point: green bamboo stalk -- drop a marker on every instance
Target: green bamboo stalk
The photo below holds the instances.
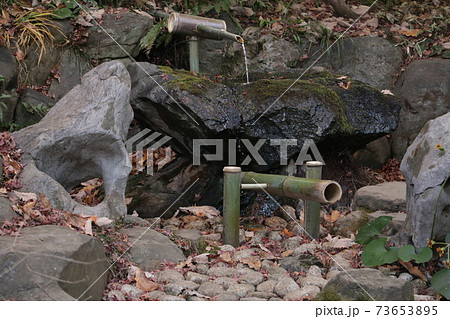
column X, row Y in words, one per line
column 217, row 34
column 312, row 208
column 231, row 204
column 326, row 192
column 193, row 55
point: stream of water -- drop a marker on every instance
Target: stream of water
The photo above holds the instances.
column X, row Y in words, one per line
column 246, row 62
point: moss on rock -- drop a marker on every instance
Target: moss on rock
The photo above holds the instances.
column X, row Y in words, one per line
column 185, row 81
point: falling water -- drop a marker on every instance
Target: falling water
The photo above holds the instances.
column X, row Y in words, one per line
column 246, row 61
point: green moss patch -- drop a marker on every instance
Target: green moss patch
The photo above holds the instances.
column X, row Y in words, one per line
column 185, row 81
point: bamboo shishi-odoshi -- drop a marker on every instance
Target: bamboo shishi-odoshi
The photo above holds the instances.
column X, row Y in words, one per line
column 322, row 191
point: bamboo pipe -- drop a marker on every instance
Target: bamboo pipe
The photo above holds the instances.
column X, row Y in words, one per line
column 326, row 192
column 231, row 204
column 217, row 34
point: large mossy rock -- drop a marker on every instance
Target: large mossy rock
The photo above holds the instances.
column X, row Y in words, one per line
column 364, row 285
column 82, row 137
column 424, row 88
column 188, row 107
column 426, row 166
column 52, row 263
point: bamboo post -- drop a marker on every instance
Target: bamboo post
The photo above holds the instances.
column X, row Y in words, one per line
column 193, row 55
column 312, row 208
column 231, row 204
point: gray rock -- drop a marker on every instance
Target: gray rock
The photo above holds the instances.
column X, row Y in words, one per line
column 8, row 103
column 177, row 287
column 52, row 263
column 31, row 107
column 425, row 169
column 210, row 289
column 372, row 60
column 398, row 220
column 350, row 223
column 155, row 295
column 293, row 243
column 286, row 212
column 312, row 281
column 172, row 298
column 261, row 294
column 252, row 299
column 169, row 275
column 265, row 53
column 388, row 196
column 125, row 29
column 8, row 67
column 267, row 286
column 226, row 296
column 254, row 278
column 132, row 291
column 317, row 109
column 307, row 248
column 302, row 293
column 275, row 236
column 222, row 272
column 285, row 285
column 299, row 263
column 130, row 219
column 365, row 284
column 341, row 261
column 195, row 277
column 425, row 90
column 241, row 290
column 72, row 66
column 244, row 253
column 6, row 211
column 38, row 72
column 202, row 269
column 193, row 237
column 225, row 282
column 375, row 154
column 79, row 139
column 115, row 295
column 406, row 276
column 151, row 248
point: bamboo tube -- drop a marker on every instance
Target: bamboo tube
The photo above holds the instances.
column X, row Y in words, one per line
column 312, row 208
column 327, row 192
column 231, row 204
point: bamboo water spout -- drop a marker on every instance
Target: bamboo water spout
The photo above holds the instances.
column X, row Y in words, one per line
column 195, row 27
column 323, row 191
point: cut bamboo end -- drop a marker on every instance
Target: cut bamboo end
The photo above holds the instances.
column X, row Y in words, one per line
column 231, row 169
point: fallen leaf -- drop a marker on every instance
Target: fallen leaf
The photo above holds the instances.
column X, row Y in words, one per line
column 20, row 56
column 28, row 206
column 252, row 261
column 342, row 77
column 334, row 215
column 81, row 21
column 413, row 270
column 286, row 253
column 202, row 211
column 26, row 196
column 202, row 259
column 287, row 233
column 345, row 86
column 409, row 32
column 225, row 257
column 103, row 221
column 387, row 92
column 128, row 200
column 88, row 227
column 143, row 283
